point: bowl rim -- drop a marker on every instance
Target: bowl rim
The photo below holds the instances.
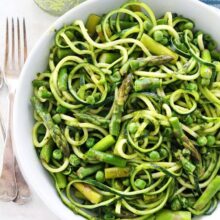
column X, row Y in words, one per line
column 45, row 199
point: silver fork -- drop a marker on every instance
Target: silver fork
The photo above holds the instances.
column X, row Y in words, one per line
column 12, row 184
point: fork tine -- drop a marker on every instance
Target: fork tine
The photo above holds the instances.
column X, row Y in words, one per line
column 25, row 39
column 13, row 41
column 6, row 43
column 19, row 43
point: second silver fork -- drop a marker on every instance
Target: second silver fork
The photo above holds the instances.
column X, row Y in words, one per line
column 12, row 184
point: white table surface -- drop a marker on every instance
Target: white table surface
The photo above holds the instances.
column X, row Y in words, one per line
column 37, row 22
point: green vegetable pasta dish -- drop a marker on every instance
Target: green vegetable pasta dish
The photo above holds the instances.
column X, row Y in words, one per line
column 128, row 116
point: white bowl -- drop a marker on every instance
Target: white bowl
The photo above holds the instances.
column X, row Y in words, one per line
column 206, row 18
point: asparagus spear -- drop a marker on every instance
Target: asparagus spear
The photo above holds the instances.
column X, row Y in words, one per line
column 206, row 71
column 171, row 215
column 182, row 138
column 83, row 172
column 79, row 195
column 39, row 83
column 63, row 52
column 54, row 129
column 104, row 143
column 147, row 84
column 208, row 194
column 92, row 21
column 46, row 152
column 94, row 155
column 93, row 196
column 61, row 180
column 94, row 119
column 100, row 32
column 116, row 172
column 44, row 93
column 157, row 48
column 108, row 57
column 150, row 61
column 120, row 100
column 62, row 79
column 71, row 206
column 188, row 166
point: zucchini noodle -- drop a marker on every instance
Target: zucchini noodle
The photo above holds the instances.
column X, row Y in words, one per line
column 127, row 116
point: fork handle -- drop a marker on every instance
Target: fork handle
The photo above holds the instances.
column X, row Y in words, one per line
column 24, row 193
column 8, row 186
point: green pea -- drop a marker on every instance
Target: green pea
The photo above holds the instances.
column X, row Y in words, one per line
column 100, row 176
column 90, row 99
column 208, row 37
column 189, row 26
column 163, row 152
column 164, row 41
column 90, row 142
column 74, row 160
column 186, row 26
column 202, row 141
column 186, row 152
column 154, row 155
column 192, row 87
column 148, row 25
column 212, row 45
column 57, row 154
column 140, row 184
column 56, row 118
column 205, row 82
column 158, row 35
column 210, row 140
column 176, row 205
column 97, row 96
column 188, row 120
column 203, row 150
column 132, row 127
